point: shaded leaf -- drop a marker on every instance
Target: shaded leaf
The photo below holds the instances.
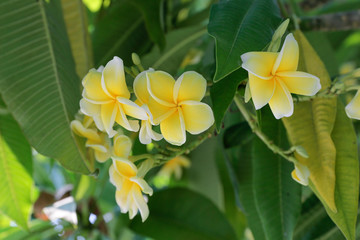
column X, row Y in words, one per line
column 151, row 11
column 38, row 81
column 119, row 33
column 178, row 43
column 77, row 29
column 16, row 181
column 249, row 27
column 222, row 94
column 237, row 134
column 311, row 125
column 189, row 216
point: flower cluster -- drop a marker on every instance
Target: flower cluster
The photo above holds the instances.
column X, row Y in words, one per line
column 160, row 100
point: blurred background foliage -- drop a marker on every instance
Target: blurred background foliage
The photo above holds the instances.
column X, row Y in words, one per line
column 235, row 188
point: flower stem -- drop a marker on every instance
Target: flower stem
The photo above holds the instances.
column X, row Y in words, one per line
column 288, row 155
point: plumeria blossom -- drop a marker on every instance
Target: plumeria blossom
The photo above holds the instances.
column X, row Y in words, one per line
column 128, row 180
column 106, row 98
column 146, row 133
column 301, row 174
column 353, row 108
column 175, row 104
column 96, row 140
column 174, row 166
column 273, row 77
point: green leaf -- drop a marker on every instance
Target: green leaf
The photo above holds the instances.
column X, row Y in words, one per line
column 77, row 29
column 222, row 94
column 119, row 33
column 151, row 11
column 189, row 216
column 178, row 43
column 237, row 134
column 16, row 181
column 38, row 81
column 239, row 27
column 311, row 125
column 268, row 189
column 347, row 174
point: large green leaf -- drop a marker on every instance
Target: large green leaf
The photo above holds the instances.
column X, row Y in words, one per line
column 178, row 43
column 239, row 27
column 38, row 81
column 182, row 214
column 16, row 181
column 152, row 13
column 222, row 94
column 119, row 33
column 347, row 174
column 276, row 197
column 311, row 125
column 77, row 29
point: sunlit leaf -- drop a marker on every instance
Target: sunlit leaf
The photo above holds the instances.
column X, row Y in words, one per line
column 189, row 216
column 77, row 29
column 16, row 181
column 311, row 125
column 38, row 81
column 239, row 27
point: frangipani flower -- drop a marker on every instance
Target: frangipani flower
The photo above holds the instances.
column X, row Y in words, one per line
column 175, row 104
column 106, row 98
column 273, row 77
column 146, row 133
column 353, row 108
column 96, row 140
column 301, row 174
column 174, row 166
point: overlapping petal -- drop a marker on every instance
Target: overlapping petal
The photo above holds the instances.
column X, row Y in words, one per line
column 140, row 87
column 113, row 79
column 259, row 64
column 92, row 110
column 93, row 91
column 288, row 57
column 124, row 167
column 108, row 115
column 189, row 86
column 301, row 174
column 173, row 128
column 300, row 82
column 121, row 119
column 159, row 111
column 198, row 116
column 261, row 90
column 161, row 87
column 132, row 109
column 281, row 103
column 78, row 128
column 353, row 108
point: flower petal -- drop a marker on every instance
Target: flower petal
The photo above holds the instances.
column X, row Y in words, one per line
column 115, row 178
column 301, row 174
column 159, row 111
column 154, row 135
column 173, row 128
column 198, row 116
column 108, row 114
column 261, row 90
column 141, row 204
column 281, row 103
column 353, row 108
column 259, row 64
column 101, row 156
column 132, row 109
column 143, row 136
column 143, row 185
column 288, row 57
column 189, row 86
column 130, row 125
column 78, row 129
column 161, row 87
column 122, row 146
column 124, row 167
column 113, row 79
column 92, row 110
column 300, row 82
column 92, row 88
column 140, row 87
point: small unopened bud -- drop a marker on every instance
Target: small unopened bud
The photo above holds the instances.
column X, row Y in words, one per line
column 279, row 32
column 136, row 59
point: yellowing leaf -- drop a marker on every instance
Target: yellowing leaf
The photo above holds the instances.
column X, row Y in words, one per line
column 76, row 27
column 311, row 125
